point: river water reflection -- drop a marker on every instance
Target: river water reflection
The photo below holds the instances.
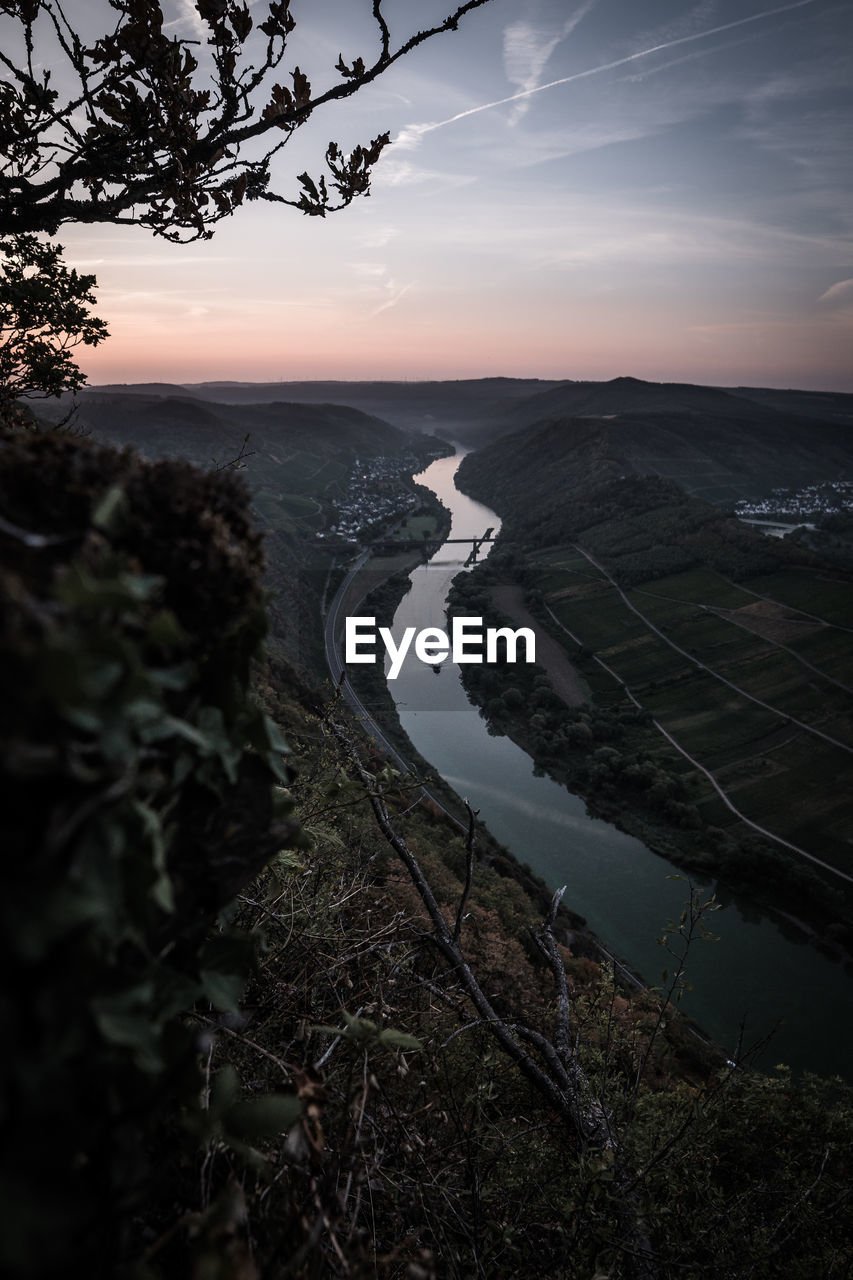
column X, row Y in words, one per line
column 757, row 974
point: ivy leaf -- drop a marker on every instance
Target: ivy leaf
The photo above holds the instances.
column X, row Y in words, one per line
column 301, row 87
column 399, row 1040
column 224, row 966
column 112, row 512
column 279, row 104
column 257, row 1118
column 165, row 629
column 241, row 21
column 225, row 1090
column 126, row 1019
column 223, row 990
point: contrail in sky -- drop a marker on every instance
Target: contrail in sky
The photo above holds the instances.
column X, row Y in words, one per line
column 414, row 132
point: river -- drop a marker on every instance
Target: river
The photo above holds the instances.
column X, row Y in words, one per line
column 756, row 975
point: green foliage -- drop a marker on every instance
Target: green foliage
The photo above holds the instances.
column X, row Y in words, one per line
column 240, row 1123
column 366, row 1033
column 756, row 1180
column 44, row 314
column 141, row 795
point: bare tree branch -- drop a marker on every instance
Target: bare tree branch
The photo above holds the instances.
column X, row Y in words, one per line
column 469, row 871
column 563, row 1085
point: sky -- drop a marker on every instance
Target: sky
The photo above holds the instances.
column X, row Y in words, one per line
column 577, row 189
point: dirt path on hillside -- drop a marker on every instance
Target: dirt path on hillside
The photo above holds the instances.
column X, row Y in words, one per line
column 550, row 655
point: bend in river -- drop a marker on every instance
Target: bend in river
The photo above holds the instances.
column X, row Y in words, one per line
column 754, row 976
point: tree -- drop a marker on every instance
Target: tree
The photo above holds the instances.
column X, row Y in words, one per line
column 44, row 315
column 160, row 130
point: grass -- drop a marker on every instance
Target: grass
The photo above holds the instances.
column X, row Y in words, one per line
column 827, row 598
column 829, row 649
column 287, row 511
column 781, row 777
column 568, row 560
column 776, row 677
column 792, row 799
column 645, row 659
column 598, row 620
column 709, row 720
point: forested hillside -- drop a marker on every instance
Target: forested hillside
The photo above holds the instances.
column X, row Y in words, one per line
column 302, row 459
column 718, row 445
column 457, row 406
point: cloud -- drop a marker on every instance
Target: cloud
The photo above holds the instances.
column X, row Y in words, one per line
column 396, row 294
column 188, row 16
column 645, row 73
column 410, row 137
column 625, row 237
column 401, row 173
column 527, row 48
column 369, row 270
column 151, row 262
column 379, row 237
column 374, row 280
column 395, row 172
column 840, row 292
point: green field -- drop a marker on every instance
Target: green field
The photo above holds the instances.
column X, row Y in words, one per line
column 645, row 660
column 599, row 620
column 415, row 527
column 818, row 594
column 779, row 775
column 701, row 586
column 287, row 511
column 830, row 650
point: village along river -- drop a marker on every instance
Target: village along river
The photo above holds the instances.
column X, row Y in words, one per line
column 756, row 974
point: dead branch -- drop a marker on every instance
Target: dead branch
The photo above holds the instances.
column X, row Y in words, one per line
column 563, row 1085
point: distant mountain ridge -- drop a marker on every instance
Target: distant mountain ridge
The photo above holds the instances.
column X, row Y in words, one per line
column 721, row 444
column 626, row 395
column 297, row 460
column 719, row 459
column 478, row 410
column 412, row 406
column 171, row 421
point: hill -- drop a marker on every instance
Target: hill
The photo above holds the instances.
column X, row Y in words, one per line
column 173, row 422
column 827, row 405
column 714, row 444
column 722, row 444
column 727, row 651
column 298, row 461
column 412, row 406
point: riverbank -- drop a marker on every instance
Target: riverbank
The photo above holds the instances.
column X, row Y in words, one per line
column 378, row 588
column 761, row 968
column 610, row 755
column 371, row 688
column 566, row 680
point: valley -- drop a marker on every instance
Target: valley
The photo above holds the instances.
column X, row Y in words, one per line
column 701, row 672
